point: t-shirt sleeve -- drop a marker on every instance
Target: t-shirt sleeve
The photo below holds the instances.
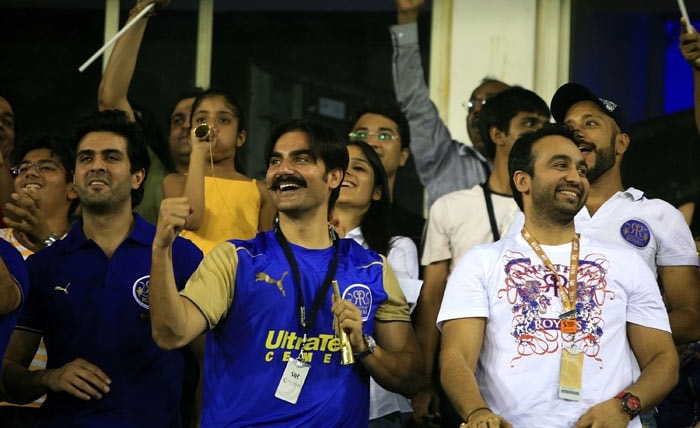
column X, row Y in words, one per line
column 676, row 245
column 436, row 246
column 466, row 290
column 645, row 306
column 211, row 286
column 16, row 267
column 395, row 308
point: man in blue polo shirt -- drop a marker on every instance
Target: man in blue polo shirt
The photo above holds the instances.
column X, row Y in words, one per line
column 14, row 286
column 89, row 298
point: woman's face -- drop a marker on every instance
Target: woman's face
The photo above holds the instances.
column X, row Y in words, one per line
column 358, row 187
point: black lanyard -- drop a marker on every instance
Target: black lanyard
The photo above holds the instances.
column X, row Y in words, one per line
column 489, row 208
column 297, row 278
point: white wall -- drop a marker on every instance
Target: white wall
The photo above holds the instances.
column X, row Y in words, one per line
column 504, row 39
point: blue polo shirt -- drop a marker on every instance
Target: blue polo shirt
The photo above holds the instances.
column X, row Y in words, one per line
column 15, row 265
column 91, row 307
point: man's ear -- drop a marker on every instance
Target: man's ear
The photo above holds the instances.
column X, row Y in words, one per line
column 137, row 178
column 622, row 143
column 497, row 136
column 335, row 177
column 522, row 181
column 405, row 153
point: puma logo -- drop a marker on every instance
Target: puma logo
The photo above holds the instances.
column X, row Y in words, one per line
column 262, row 276
column 64, row 289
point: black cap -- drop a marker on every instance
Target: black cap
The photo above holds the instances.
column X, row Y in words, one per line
column 572, row 93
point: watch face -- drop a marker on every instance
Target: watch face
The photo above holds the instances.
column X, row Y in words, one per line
column 633, row 403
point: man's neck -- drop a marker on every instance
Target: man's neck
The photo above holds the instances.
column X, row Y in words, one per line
column 108, row 230
column 603, row 189
column 547, row 232
column 310, row 231
column 499, row 181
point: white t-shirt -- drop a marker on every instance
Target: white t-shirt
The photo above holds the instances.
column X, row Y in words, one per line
column 459, row 220
column 518, row 369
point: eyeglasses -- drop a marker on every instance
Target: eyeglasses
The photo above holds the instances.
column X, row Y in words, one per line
column 381, row 136
column 470, row 105
column 42, row 167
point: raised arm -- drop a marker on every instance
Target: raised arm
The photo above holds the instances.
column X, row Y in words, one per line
column 112, row 93
column 10, row 292
column 690, row 48
column 175, row 320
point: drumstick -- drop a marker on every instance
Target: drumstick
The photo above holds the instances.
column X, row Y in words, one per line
column 144, row 11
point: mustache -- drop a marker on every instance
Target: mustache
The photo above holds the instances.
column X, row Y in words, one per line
column 290, row 179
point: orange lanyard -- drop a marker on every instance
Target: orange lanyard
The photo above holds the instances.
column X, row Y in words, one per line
column 568, row 297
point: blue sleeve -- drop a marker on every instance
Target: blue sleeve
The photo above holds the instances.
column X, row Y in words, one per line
column 15, row 265
column 186, row 259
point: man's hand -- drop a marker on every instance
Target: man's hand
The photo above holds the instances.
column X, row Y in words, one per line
column 159, row 4
column 172, row 219
column 350, row 319
column 608, row 414
column 408, row 10
column 78, row 378
column 689, row 44
column 426, row 405
column 26, row 216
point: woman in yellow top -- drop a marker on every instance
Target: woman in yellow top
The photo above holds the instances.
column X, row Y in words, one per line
column 225, row 203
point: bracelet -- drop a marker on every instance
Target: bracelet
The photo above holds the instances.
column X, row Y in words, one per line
column 476, row 410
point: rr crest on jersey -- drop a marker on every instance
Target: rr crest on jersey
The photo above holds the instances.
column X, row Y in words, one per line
column 636, row 233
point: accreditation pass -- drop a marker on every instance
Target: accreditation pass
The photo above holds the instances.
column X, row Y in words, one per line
column 292, row 380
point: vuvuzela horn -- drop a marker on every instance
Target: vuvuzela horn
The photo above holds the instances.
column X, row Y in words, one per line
column 346, row 356
column 202, row 131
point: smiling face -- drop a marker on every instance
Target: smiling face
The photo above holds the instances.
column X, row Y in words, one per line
column 49, row 185
column 559, row 187
column 482, row 93
column 103, row 177
column 383, row 135
column 598, row 135
column 359, row 187
column 298, row 183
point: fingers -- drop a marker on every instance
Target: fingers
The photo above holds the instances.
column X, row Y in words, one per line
column 81, row 379
column 172, row 219
column 350, row 319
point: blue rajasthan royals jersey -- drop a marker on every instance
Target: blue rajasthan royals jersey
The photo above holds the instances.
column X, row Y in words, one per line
column 248, row 349
column 18, row 270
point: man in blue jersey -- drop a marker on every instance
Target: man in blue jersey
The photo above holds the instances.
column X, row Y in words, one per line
column 89, row 298
column 13, row 289
column 273, row 357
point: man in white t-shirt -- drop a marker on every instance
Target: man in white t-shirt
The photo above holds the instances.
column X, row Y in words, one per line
column 464, row 218
column 531, row 339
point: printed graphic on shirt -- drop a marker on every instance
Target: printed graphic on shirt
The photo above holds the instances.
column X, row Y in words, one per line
column 531, row 290
column 636, row 233
column 262, row 276
column 361, row 296
column 140, row 291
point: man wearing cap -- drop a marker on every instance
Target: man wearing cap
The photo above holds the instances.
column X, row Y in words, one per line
column 652, row 227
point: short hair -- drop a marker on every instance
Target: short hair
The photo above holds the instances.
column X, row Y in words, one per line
column 388, row 109
column 57, row 146
column 192, row 92
column 501, row 108
column 521, row 157
column 375, row 222
column 117, row 122
column 324, row 143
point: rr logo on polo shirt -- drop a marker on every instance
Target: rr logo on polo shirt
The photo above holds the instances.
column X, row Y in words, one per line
column 636, row 233
column 140, row 291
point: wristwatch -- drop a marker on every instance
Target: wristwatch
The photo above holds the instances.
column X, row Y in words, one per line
column 371, row 347
column 51, row 239
column 630, row 403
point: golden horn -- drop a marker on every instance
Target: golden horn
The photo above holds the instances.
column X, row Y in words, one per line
column 346, row 355
column 202, row 131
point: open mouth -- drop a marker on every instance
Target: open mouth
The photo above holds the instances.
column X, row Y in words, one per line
column 286, row 184
column 32, row 186
column 585, row 147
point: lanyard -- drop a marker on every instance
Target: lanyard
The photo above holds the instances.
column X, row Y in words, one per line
column 333, row 267
column 568, row 297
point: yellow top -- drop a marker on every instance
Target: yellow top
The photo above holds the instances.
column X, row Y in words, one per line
column 231, row 211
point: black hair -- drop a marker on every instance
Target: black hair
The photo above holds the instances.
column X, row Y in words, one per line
column 324, row 143
column 117, row 122
column 154, row 135
column 375, row 222
column 58, row 146
column 521, row 157
column 501, row 108
column 237, row 108
column 389, row 109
